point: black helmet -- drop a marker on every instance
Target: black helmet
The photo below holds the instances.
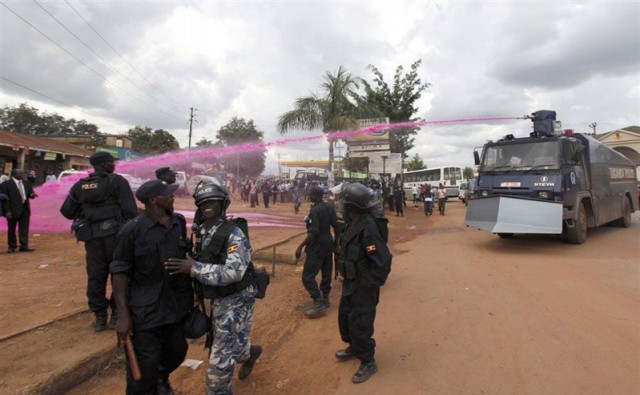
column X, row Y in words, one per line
column 211, row 191
column 359, row 196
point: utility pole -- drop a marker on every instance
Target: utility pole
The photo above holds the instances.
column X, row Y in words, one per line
column 191, row 125
column 593, row 126
column 279, row 171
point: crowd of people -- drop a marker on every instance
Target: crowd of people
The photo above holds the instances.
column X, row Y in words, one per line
column 157, row 272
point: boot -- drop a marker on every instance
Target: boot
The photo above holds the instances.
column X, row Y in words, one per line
column 325, row 299
column 345, row 354
column 113, row 319
column 247, row 367
column 318, row 309
column 100, row 322
column 366, row 370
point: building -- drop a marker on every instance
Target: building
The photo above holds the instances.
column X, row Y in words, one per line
column 626, row 141
column 41, row 154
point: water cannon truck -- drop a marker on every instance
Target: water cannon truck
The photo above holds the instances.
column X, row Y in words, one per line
column 551, row 182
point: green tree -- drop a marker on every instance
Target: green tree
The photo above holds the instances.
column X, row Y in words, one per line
column 147, row 141
column 416, row 163
column 337, row 108
column 204, row 143
column 397, row 102
column 239, row 131
column 28, row 120
column 467, row 173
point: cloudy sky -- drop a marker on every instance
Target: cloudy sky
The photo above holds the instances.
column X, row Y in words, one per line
column 119, row 64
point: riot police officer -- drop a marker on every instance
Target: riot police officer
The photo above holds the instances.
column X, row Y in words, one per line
column 319, row 246
column 103, row 201
column 364, row 263
column 223, row 269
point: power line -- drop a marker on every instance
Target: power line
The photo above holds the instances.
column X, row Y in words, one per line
column 48, row 97
column 99, row 56
column 87, row 66
column 119, row 54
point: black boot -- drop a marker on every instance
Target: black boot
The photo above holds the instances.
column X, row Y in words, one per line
column 345, row 354
column 366, row 370
column 325, row 299
column 247, row 367
column 100, row 322
column 318, row 309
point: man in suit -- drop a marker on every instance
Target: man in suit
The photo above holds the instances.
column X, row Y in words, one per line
column 17, row 209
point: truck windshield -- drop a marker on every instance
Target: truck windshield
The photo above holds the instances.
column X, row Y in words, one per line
column 531, row 155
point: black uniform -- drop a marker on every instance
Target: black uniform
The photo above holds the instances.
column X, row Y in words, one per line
column 319, row 252
column 365, row 263
column 105, row 207
column 158, row 303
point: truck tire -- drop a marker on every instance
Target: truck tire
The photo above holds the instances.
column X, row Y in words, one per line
column 505, row 235
column 625, row 220
column 578, row 233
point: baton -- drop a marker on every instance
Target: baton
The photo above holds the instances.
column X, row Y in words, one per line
column 133, row 360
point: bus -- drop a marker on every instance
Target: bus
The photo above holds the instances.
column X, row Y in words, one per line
column 449, row 176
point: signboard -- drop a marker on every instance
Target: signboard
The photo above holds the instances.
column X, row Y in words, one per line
column 392, row 164
column 50, row 156
column 380, row 136
column 369, row 147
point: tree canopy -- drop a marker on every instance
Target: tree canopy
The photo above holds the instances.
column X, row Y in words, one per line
column 416, row 163
column 337, row 108
column 397, row 102
column 239, row 131
column 152, row 142
column 28, row 120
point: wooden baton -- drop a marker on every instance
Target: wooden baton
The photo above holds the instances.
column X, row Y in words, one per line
column 133, row 360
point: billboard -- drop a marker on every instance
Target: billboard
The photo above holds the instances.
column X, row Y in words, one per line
column 380, row 136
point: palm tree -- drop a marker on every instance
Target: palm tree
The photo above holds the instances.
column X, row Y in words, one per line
column 337, row 109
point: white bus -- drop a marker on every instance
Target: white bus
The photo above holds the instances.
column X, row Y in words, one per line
column 449, row 176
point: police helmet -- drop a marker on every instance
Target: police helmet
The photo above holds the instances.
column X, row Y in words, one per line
column 212, row 191
column 359, row 196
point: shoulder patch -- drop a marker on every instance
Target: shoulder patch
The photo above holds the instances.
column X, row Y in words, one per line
column 371, row 248
column 232, row 249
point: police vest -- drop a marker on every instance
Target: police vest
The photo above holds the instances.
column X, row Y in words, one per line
column 216, row 253
column 352, row 262
column 97, row 204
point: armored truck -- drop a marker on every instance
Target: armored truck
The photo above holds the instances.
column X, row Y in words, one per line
column 551, row 182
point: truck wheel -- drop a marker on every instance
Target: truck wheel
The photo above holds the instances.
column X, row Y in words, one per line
column 625, row 220
column 578, row 233
column 505, row 235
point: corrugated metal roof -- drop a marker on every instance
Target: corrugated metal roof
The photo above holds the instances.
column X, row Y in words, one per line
column 40, row 143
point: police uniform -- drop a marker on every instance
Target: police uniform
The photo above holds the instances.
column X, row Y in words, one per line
column 318, row 252
column 223, row 274
column 365, row 263
column 112, row 204
column 158, row 303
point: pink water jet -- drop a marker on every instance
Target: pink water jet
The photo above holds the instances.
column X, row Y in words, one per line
column 46, row 217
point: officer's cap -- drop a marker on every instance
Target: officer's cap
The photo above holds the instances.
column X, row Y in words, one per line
column 101, row 157
column 165, row 171
column 155, row 188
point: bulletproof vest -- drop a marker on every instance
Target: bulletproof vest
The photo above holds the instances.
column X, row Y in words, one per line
column 352, row 262
column 216, row 253
column 97, row 204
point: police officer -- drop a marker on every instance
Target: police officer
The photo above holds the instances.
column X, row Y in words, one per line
column 166, row 174
column 319, row 246
column 364, row 263
column 105, row 201
column 152, row 304
column 223, row 268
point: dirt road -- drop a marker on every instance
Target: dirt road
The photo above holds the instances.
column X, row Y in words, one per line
column 463, row 312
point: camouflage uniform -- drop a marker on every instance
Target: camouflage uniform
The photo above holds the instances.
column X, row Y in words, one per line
column 232, row 315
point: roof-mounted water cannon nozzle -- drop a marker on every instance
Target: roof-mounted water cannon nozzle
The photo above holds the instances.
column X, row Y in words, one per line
column 545, row 124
